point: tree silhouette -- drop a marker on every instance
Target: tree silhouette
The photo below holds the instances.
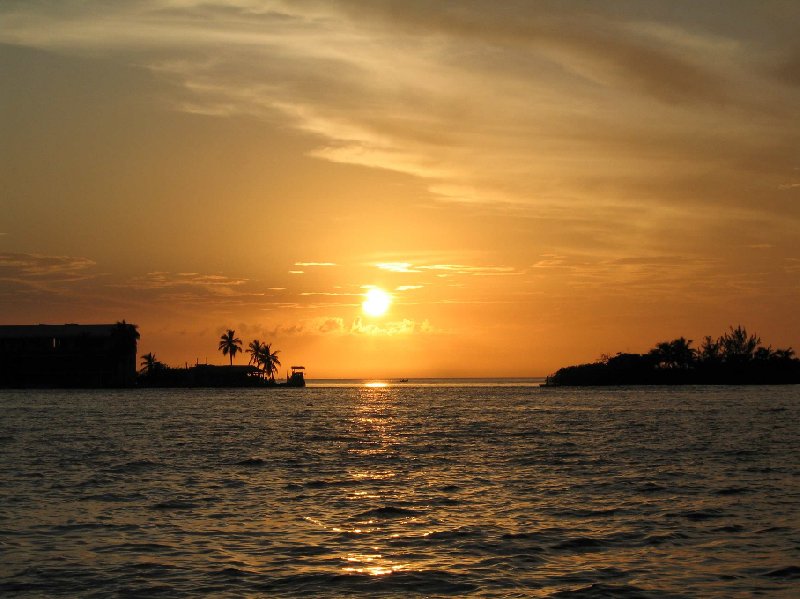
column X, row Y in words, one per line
column 229, row 345
column 735, row 358
column 709, row 350
column 737, row 346
column 270, row 360
column 149, row 363
column 674, row 354
column 254, row 349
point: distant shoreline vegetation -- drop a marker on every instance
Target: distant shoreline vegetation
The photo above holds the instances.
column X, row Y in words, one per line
column 735, row 358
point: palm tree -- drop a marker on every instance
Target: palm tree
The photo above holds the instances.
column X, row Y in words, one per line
column 254, row 349
column 677, row 353
column 229, row 345
column 270, row 360
column 149, row 363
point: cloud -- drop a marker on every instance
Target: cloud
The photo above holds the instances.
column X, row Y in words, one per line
column 194, row 287
column 38, row 265
column 463, row 269
column 397, row 267
column 42, row 273
column 335, row 325
column 315, row 264
column 607, row 127
column 329, row 294
column 213, row 284
column 400, row 327
column 447, row 269
column 331, row 325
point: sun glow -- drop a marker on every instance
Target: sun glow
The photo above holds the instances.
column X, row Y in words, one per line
column 377, row 302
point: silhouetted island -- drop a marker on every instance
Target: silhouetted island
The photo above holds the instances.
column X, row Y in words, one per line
column 260, row 372
column 735, row 358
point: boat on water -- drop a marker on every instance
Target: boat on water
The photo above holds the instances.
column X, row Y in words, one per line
column 297, row 377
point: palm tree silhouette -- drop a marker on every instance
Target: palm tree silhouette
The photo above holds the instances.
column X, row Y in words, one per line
column 254, row 349
column 149, row 363
column 229, row 345
column 270, row 360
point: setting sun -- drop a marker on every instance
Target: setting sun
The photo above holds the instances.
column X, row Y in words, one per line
column 377, row 302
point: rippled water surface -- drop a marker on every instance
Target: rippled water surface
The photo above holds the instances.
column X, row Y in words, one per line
column 400, row 490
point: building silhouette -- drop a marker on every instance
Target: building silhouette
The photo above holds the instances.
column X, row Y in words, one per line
column 68, row 355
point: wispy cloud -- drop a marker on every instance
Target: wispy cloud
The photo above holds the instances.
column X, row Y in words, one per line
column 567, row 110
column 400, row 327
column 214, row 284
column 447, row 269
column 194, row 288
column 38, row 265
column 397, row 267
column 315, row 264
column 42, row 273
column 329, row 294
column 336, row 325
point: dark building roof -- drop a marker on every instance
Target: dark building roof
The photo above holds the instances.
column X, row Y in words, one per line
column 36, row 331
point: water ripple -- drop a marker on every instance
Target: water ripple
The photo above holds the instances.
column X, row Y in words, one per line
column 398, row 491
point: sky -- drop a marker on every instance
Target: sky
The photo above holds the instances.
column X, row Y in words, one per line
column 534, row 183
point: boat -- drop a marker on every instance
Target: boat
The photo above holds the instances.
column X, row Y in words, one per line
column 296, row 378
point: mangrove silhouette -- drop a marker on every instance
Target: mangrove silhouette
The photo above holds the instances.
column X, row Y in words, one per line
column 734, row 358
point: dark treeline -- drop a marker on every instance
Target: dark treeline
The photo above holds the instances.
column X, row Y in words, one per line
column 735, row 358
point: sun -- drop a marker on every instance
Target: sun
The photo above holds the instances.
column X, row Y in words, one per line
column 377, row 302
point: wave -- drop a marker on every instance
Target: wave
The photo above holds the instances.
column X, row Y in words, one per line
column 251, row 462
column 609, row 591
column 133, row 467
column 389, row 511
column 418, row 582
column 581, row 544
column 175, row 504
column 698, row 515
column 789, row 572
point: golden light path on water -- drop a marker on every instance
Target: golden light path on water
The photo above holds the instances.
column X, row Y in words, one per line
column 378, row 429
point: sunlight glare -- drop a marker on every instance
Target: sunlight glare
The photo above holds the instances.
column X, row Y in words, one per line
column 377, row 302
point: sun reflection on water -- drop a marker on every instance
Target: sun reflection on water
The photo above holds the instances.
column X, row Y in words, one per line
column 372, row 564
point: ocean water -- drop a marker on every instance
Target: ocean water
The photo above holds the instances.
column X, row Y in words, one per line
column 433, row 489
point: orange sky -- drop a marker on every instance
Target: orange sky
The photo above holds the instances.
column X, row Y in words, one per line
column 535, row 183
